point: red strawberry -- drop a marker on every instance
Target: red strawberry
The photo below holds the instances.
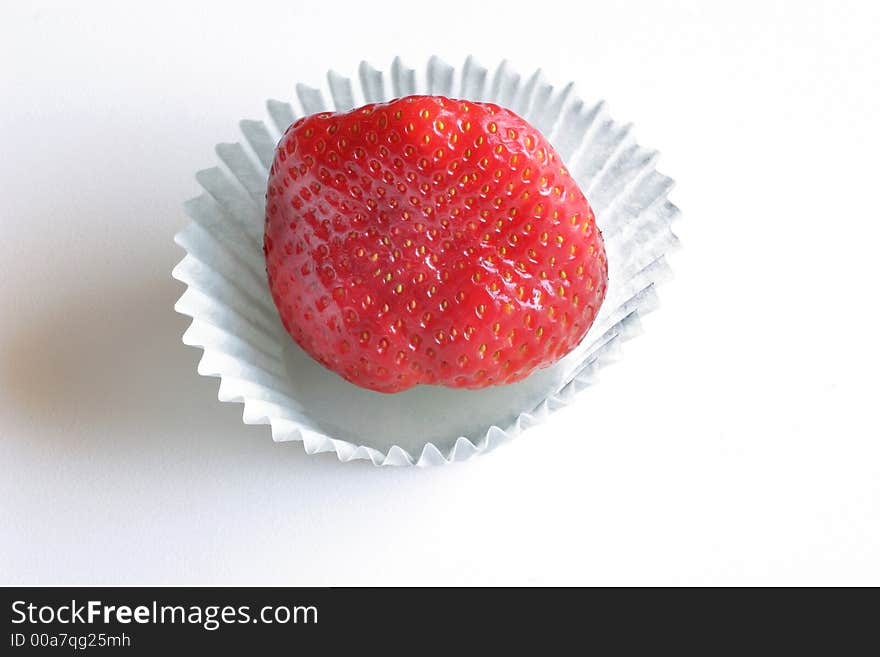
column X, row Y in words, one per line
column 429, row 240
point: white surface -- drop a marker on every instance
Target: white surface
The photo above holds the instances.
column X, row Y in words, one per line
column 736, row 442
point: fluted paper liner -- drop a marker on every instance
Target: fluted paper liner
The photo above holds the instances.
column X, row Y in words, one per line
column 259, row 365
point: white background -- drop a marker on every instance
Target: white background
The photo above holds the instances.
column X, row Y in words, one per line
column 736, row 442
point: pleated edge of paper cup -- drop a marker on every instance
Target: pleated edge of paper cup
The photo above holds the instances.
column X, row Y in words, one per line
column 473, row 83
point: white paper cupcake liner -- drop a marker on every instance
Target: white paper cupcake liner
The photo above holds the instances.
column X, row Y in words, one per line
column 245, row 345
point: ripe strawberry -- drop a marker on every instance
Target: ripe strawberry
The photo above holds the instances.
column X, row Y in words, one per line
column 429, row 240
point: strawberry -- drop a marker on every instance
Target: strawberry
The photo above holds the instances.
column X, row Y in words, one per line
column 429, row 240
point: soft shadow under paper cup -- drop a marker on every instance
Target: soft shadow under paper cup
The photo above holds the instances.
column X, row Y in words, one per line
column 245, row 345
